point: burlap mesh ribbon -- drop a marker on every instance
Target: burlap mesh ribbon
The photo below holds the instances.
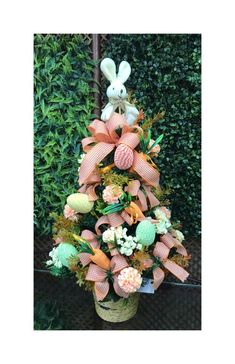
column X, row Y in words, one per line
column 161, row 251
column 92, row 239
column 103, row 141
column 100, row 277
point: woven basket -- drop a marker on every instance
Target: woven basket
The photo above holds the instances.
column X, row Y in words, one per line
column 117, row 311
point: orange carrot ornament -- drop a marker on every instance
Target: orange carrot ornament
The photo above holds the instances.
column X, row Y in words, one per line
column 100, row 259
column 97, row 256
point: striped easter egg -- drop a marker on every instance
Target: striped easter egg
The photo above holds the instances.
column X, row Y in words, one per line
column 123, row 157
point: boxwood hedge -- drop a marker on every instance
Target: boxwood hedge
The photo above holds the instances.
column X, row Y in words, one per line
column 166, row 76
column 63, row 107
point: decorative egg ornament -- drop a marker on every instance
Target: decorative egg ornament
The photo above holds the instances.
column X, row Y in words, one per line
column 123, row 157
column 145, row 233
column 79, row 202
column 66, row 251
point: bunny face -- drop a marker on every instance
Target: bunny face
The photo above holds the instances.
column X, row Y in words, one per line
column 116, row 90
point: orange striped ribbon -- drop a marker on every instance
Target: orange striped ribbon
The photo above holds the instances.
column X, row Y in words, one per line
column 145, row 170
column 170, row 241
column 106, row 139
column 161, row 250
column 99, row 276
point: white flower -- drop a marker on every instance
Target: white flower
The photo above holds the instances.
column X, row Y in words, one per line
column 163, row 223
column 49, row 262
column 159, row 214
column 139, row 246
column 108, row 236
column 133, row 245
column 128, row 252
column 119, row 232
column 122, row 250
column 54, row 258
column 58, row 264
column 179, row 235
column 124, row 231
column 126, row 244
column 161, row 227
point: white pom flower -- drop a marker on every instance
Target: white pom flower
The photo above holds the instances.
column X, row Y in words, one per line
column 49, row 262
column 119, row 232
column 54, row 258
column 125, row 243
column 108, row 236
column 161, row 228
column 163, row 223
column 128, row 252
column 179, row 235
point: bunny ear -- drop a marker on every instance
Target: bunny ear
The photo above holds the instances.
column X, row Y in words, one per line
column 124, row 71
column 108, row 68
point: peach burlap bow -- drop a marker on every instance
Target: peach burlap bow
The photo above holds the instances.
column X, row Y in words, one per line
column 161, row 251
column 103, row 141
column 101, row 276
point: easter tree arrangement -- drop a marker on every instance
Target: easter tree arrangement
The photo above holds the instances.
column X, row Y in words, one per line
column 115, row 234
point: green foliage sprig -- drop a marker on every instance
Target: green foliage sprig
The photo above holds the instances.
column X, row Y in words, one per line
column 144, row 142
column 125, row 200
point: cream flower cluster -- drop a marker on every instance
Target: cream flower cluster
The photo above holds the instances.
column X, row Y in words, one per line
column 178, row 235
column 54, row 259
column 125, row 244
column 163, row 223
column 129, row 280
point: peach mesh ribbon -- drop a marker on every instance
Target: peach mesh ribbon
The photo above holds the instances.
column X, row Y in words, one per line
column 114, row 220
column 103, row 141
column 134, row 189
column 106, row 139
column 145, row 170
column 161, row 250
column 133, row 212
column 92, row 239
column 99, row 276
column 171, row 242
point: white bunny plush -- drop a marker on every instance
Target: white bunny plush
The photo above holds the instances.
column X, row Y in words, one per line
column 116, row 92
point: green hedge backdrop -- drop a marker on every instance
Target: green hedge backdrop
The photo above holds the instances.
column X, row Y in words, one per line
column 64, row 102
column 165, row 76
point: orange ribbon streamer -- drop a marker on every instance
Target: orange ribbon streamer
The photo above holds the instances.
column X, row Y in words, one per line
column 134, row 211
column 161, row 250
